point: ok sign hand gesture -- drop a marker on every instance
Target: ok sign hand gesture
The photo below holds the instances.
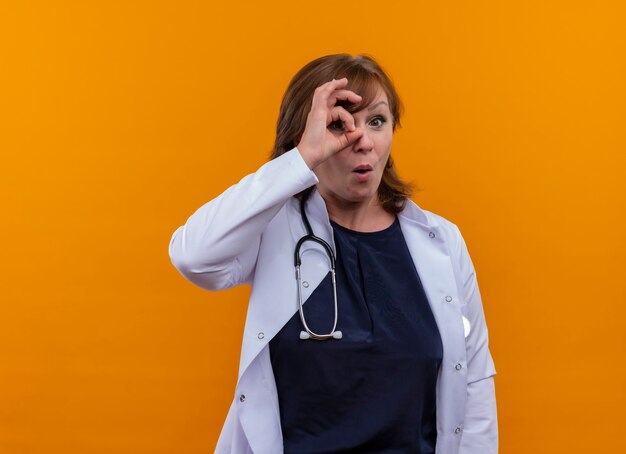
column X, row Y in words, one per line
column 320, row 139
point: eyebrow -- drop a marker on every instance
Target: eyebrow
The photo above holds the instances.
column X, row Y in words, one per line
column 376, row 105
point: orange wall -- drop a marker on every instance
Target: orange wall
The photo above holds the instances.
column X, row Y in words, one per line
column 118, row 119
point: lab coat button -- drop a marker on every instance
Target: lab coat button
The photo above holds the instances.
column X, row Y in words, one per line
column 305, row 284
column 242, row 398
column 457, row 430
column 431, row 234
column 261, row 335
column 448, row 298
column 458, row 366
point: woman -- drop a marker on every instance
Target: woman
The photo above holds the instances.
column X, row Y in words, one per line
column 403, row 363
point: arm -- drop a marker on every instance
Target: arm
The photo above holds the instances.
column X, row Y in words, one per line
column 480, row 431
column 218, row 245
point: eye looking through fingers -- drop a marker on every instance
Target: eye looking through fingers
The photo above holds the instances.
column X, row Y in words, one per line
column 337, row 125
column 340, row 120
column 344, row 101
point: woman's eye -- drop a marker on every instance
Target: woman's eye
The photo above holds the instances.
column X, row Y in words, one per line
column 377, row 122
column 337, row 125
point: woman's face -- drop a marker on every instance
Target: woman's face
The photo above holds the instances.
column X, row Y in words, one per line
column 352, row 175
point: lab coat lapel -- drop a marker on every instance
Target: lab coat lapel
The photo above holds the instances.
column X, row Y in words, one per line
column 427, row 244
column 274, row 297
column 272, row 303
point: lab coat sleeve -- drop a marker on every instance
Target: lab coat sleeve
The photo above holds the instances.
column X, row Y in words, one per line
column 218, row 246
column 480, row 428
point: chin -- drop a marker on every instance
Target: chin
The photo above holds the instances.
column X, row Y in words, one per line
column 362, row 195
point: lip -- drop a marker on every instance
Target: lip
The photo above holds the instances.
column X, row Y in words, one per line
column 363, row 168
column 362, row 172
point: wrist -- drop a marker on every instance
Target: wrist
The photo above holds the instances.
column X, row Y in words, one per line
column 307, row 156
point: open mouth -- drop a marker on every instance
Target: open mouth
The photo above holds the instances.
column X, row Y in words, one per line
column 363, row 169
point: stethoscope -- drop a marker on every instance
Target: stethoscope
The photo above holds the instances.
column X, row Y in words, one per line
column 334, row 334
column 307, row 333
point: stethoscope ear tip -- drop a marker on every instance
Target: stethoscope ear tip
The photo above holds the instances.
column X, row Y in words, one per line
column 337, row 335
column 304, row 335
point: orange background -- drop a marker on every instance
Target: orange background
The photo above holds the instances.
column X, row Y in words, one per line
column 118, row 119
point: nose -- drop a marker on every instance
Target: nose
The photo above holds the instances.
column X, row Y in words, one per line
column 363, row 143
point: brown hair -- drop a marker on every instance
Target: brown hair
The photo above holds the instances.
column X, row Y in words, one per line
column 364, row 77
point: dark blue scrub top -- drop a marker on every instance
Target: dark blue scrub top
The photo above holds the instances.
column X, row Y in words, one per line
column 374, row 390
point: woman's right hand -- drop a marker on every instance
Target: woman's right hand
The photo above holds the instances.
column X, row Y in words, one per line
column 319, row 142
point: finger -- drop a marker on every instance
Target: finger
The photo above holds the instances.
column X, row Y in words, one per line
column 343, row 95
column 341, row 114
column 338, row 83
column 322, row 93
column 349, row 138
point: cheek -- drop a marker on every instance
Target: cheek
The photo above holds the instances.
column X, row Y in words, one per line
column 336, row 163
column 327, row 172
column 385, row 148
column 386, row 140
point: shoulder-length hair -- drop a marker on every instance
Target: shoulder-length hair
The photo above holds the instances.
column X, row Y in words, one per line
column 365, row 76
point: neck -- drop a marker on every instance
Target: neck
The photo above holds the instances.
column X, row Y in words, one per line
column 367, row 216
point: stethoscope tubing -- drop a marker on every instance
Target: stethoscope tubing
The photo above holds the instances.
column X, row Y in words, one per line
column 308, row 333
